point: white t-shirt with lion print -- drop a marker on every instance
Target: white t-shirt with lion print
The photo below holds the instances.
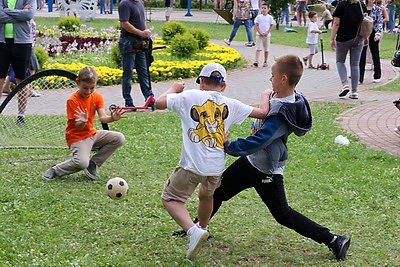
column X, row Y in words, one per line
column 205, row 116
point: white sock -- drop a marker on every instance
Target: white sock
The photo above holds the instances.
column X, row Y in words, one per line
column 191, row 230
column 204, row 228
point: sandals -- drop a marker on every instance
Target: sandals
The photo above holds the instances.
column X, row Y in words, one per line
column 345, row 90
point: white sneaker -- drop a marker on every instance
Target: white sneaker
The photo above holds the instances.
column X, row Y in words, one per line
column 396, row 130
column 195, row 242
column 376, row 80
column 34, row 94
column 227, row 41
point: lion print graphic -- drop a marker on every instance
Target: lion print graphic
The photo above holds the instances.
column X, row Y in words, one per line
column 210, row 127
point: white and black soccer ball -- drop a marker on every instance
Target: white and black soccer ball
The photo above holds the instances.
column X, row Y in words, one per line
column 117, row 188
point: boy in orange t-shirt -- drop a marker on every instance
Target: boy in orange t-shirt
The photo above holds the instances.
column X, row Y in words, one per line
column 80, row 134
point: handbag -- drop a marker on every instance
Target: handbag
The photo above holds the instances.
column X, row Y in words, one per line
column 366, row 24
column 140, row 43
column 397, row 103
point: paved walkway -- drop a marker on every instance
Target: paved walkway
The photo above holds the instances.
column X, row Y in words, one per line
column 372, row 120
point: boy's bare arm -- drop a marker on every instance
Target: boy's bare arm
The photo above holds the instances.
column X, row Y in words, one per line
column 262, row 111
column 176, row 88
column 115, row 115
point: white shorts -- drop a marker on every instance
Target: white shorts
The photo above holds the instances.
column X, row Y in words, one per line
column 263, row 43
column 313, row 49
column 168, row 11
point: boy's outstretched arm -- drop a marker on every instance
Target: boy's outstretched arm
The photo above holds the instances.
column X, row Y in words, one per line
column 115, row 116
column 176, row 88
column 262, row 111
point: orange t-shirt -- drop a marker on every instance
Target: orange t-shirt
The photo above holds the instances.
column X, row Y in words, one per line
column 91, row 104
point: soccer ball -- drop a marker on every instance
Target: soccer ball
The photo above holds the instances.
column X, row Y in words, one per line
column 117, row 188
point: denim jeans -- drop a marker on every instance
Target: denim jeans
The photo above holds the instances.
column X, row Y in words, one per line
column 129, row 62
column 284, row 15
column 248, row 24
column 242, row 175
column 392, row 17
column 355, row 47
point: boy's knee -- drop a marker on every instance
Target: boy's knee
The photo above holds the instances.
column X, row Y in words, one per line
column 118, row 139
column 80, row 163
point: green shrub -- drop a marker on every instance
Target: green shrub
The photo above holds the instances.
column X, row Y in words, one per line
column 41, row 55
column 116, row 56
column 183, row 3
column 117, row 25
column 69, row 24
column 170, row 29
column 184, row 45
column 201, row 36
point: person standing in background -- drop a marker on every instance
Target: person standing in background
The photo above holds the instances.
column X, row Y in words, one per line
column 16, row 42
column 169, row 4
column 133, row 25
column 344, row 38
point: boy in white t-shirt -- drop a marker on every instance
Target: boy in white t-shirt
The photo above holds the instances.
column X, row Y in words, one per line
column 312, row 39
column 205, row 116
column 264, row 23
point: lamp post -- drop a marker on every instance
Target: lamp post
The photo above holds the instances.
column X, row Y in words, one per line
column 188, row 8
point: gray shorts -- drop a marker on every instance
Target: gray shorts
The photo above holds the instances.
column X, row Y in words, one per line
column 313, row 49
column 182, row 183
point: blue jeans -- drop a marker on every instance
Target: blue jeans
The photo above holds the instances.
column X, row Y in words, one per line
column 284, row 15
column 129, row 62
column 392, row 17
column 355, row 47
column 248, row 24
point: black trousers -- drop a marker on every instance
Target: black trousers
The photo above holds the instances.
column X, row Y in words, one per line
column 241, row 175
column 374, row 47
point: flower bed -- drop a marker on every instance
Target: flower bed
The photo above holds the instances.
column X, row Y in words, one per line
column 96, row 53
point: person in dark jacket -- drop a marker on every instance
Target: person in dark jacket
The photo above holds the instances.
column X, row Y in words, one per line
column 263, row 156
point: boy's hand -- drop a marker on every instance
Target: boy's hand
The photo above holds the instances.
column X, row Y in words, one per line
column 118, row 114
column 81, row 116
column 226, row 136
column 177, row 87
column 267, row 92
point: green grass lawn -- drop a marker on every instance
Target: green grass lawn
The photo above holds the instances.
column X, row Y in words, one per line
column 70, row 221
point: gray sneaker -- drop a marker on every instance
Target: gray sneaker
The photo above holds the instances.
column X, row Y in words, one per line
column 50, row 174
column 91, row 171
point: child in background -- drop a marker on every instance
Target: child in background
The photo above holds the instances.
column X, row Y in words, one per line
column 326, row 16
column 80, row 134
column 264, row 23
column 312, row 39
column 205, row 115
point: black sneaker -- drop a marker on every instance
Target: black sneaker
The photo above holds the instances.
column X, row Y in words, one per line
column 340, row 246
column 91, row 171
column 20, row 120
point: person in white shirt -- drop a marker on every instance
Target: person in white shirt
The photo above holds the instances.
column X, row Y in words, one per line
column 205, row 117
column 312, row 39
column 264, row 23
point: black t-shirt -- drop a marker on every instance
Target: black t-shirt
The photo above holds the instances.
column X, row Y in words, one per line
column 350, row 17
column 132, row 11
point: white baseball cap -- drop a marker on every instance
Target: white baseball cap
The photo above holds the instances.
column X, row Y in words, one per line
column 209, row 69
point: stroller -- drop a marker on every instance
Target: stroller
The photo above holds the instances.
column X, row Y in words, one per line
column 396, row 58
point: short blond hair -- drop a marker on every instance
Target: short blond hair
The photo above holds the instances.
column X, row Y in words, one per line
column 291, row 66
column 88, row 75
